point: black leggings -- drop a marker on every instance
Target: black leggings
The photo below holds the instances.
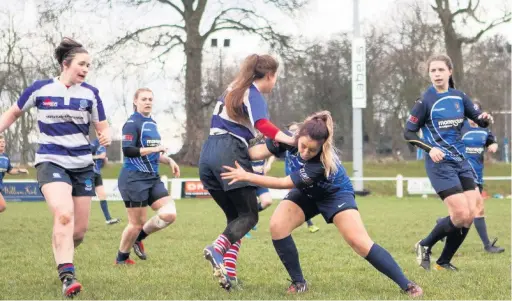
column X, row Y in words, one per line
column 241, row 208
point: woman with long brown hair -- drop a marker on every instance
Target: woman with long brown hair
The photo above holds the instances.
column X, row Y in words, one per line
column 237, row 115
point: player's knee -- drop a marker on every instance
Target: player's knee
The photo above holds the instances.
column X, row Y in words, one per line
column 361, row 244
column 64, row 218
column 167, row 213
column 277, row 229
column 168, row 218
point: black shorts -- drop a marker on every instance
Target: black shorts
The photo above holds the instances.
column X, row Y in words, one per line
column 140, row 189
column 80, row 179
column 220, row 150
column 480, row 187
column 98, row 180
column 328, row 206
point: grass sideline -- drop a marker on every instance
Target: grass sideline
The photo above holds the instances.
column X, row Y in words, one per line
column 370, row 169
column 176, row 270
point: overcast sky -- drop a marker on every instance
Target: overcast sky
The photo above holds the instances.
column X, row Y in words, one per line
column 319, row 21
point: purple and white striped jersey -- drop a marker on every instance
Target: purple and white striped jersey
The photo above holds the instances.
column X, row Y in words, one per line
column 255, row 107
column 63, row 116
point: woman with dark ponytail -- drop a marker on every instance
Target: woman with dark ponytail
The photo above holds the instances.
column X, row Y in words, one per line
column 319, row 185
column 476, row 141
column 238, row 114
column 440, row 114
column 66, row 106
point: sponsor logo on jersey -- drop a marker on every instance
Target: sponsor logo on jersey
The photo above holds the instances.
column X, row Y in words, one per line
column 474, row 150
column 449, row 123
column 49, row 103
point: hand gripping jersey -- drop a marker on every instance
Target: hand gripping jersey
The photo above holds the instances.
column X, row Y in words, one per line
column 140, row 131
column 309, row 176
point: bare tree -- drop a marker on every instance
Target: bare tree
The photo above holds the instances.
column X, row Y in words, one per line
column 454, row 40
column 162, row 39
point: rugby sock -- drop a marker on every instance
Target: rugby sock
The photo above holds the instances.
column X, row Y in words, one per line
column 230, row 258
column 66, row 270
column 453, row 242
column 441, row 229
column 384, row 263
column 287, row 252
column 309, row 222
column 142, row 235
column 104, row 208
column 481, row 228
column 122, row 256
column 221, row 244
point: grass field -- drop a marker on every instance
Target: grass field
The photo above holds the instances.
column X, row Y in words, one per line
column 176, row 270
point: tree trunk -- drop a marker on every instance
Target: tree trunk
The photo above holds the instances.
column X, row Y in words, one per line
column 454, row 51
column 194, row 135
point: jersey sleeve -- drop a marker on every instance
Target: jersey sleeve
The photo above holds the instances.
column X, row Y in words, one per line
column 9, row 166
column 309, row 174
column 130, row 134
column 27, row 99
column 256, row 106
column 98, row 112
column 417, row 117
column 491, row 139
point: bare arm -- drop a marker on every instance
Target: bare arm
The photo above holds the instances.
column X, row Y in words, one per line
column 9, row 117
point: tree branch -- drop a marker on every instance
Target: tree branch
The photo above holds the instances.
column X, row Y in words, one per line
column 506, row 18
column 176, row 8
column 134, row 36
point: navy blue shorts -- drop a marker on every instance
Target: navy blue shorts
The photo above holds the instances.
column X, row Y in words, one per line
column 220, row 150
column 140, row 189
column 80, row 179
column 447, row 175
column 261, row 190
column 328, row 206
column 98, row 180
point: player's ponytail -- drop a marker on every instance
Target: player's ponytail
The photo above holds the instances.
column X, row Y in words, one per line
column 451, row 83
column 320, row 127
column 253, row 67
column 66, row 51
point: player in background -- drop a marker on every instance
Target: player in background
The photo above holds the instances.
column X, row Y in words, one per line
column 439, row 113
column 319, row 185
column 99, row 155
column 476, row 140
column 6, row 167
column 139, row 181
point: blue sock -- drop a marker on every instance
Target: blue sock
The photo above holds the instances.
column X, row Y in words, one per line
column 309, row 222
column 453, row 242
column 142, row 235
column 481, row 228
column 104, row 208
column 443, row 227
column 289, row 256
column 66, row 270
column 122, row 256
column 384, row 263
